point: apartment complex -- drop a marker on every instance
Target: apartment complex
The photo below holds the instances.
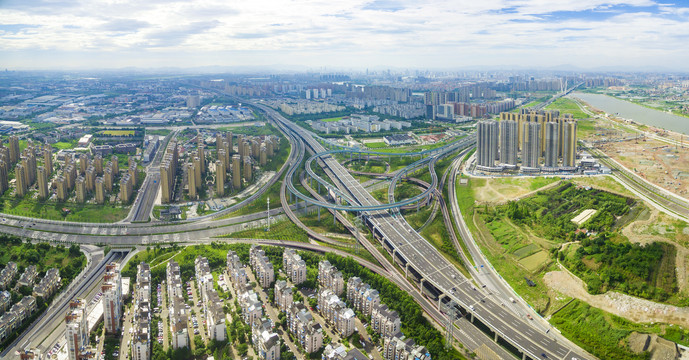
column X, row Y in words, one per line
column 543, row 141
column 336, row 312
column 112, row 298
column 265, row 274
column 293, row 266
column 178, row 315
column 330, row 278
column 301, row 324
column 141, row 336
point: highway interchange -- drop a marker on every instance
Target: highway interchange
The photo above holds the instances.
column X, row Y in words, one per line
column 483, row 299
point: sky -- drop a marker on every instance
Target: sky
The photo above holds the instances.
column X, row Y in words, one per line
column 336, row 35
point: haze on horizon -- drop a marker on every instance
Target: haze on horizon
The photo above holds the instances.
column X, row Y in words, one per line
column 356, row 34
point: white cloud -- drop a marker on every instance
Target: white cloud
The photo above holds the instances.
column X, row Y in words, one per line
column 355, row 33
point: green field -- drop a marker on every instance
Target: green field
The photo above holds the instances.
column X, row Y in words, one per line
column 117, row 132
column 62, row 145
column 160, row 132
column 376, row 145
column 535, row 261
column 567, row 106
column 282, row 230
column 599, row 332
column 332, row 119
column 53, row 210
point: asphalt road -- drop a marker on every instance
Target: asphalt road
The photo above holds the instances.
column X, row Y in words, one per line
column 410, row 249
column 46, row 325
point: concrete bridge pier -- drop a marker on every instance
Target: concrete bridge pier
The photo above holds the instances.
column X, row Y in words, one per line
column 421, row 284
column 319, row 213
column 440, row 300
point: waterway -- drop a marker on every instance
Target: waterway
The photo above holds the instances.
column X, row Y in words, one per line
column 635, row 112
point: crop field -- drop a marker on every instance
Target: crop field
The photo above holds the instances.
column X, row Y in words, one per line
column 525, row 251
column 535, row 261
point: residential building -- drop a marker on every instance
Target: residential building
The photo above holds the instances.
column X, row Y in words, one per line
column 76, row 329
column 141, row 337
column 283, row 295
column 43, row 183
column 236, row 172
column 362, row 296
column 236, row 270
column 265, row 340
column 49, row 284
column 294, row 266
column 112, row 298
column 396, row 348
column 509, row 142
column 251, row 306
column 330, row 278
column 7, row 274
column 384, row 321
column 487, row 143
column 265, row 274
column 552, row 145
column 28, row 276
column 336, row 312
column 338, row 352
column 569, row 144
column 305, row 329
column 215, row 316
column 531, row 148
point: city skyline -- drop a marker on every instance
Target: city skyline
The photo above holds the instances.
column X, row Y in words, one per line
column 588, row 35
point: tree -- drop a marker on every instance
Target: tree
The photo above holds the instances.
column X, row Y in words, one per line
column 74, row 250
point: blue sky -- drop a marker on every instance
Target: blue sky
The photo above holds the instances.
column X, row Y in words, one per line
column 354, row 34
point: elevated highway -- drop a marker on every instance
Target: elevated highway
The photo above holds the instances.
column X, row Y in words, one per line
column 438, row 279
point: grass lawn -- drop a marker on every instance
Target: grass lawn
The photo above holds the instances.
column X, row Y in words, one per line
column 117, row 132
column 53, row 210
column 62, row 145
column 568, row 106
column 376, row 145
column 332, row 119
column 160, row 132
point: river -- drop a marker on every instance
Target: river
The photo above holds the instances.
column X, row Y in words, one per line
column 635, row 112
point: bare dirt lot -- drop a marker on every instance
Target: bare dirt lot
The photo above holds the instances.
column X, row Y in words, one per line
column 660, row 163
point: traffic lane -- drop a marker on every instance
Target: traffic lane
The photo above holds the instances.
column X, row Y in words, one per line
column 441, row 280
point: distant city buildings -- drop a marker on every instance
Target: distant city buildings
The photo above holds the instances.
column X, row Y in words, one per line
column 356, row 123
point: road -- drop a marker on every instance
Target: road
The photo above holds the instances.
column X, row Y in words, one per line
column 438, row 277
column 47, row 324
column 143, row 204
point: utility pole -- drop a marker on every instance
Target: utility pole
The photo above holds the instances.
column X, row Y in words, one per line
column 358, row 224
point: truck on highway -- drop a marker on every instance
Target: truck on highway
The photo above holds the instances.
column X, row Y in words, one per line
column 512, row 300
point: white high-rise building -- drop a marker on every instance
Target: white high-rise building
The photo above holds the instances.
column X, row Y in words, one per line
column 76, row 330
column 112, row 298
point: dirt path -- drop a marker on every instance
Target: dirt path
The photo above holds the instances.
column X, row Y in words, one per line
column 489, row 192
column 634, row 232
column 628, row 307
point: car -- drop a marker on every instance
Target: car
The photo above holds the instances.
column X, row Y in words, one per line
column 529, row 316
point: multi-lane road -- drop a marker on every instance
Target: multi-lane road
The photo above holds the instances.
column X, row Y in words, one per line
column 437, row 277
